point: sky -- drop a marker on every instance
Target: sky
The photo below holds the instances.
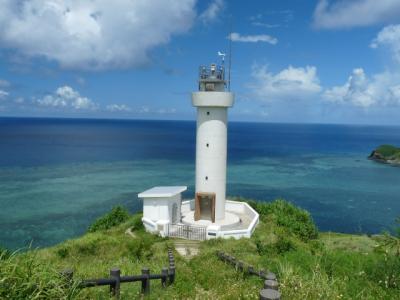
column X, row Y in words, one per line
column 293, row 61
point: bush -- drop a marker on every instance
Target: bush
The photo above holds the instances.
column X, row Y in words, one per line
column 137, row 223
column 284, row 245
column 115, row 217
column 294, row 219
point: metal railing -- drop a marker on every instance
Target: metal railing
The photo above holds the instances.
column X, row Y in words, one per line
column 213, row 72
column 189, row 232
column 166, row 277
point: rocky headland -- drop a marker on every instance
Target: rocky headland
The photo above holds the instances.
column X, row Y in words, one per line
column 387, row 154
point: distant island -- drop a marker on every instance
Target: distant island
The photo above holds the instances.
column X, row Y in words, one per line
column 387, row 154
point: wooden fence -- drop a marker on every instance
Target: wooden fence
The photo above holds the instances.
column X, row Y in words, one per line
column 271, row 285
column 166, row 277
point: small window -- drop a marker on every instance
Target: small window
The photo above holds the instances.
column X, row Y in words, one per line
column 208, row 113
column 206, row 177
column 207, row 145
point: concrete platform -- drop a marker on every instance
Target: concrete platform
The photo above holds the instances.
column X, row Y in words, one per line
column 231, row 220
column 240, row 220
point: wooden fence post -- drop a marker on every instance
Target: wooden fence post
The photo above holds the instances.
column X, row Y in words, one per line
column 164, row 276
column 268, row 294
column 171, row 273
column 115, row 273
column 240, row 266
column 146, row 281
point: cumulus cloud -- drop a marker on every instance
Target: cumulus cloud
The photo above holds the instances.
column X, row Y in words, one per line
column 92, row 35
column 237, row 37
column 289, row 84
column 66, row 97
column 389, row 37
column 356, row 13
column 381, row 89
column 212, row 11
column 118, row 108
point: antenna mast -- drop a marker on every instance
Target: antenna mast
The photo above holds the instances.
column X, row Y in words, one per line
column 230, row 55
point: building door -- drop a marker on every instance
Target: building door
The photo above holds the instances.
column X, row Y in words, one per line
column 205, row 207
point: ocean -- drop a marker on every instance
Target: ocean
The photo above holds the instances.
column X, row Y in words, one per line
column 58, row 175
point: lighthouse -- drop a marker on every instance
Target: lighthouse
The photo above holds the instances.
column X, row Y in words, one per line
column 208, row 214
column 212, row 102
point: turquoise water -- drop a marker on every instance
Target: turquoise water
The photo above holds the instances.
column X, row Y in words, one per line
column 56, row 176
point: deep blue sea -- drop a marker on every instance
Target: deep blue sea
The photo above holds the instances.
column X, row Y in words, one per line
column 58, row 175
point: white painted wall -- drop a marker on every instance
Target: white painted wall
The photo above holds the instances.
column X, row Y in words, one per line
column 211, row 145
column 157, row 209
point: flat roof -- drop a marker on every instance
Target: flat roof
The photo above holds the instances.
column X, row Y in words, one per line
column 162, row 191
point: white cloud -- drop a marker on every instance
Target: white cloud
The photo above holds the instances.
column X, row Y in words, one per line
column 382, row 89
column 66, row 97
column 266, row 25
column 3, row 94
column 237, row 37
column 212, row 11
column 389, row 36
column 289, row 84
column 356, row 13
column 161, row 111
column 92, row 35
column 118, row 108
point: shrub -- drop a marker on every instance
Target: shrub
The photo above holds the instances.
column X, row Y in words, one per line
column 294, row 219
column 137, row 223
column 284, row 245
column 115, row 217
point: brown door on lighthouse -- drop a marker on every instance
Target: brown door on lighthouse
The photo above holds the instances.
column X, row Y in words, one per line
column 205, row 207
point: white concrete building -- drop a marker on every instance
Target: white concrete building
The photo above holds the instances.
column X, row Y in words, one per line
column 161, row 206
column 209, row 214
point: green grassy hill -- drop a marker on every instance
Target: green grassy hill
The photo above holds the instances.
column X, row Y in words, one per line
column 387, row 154
column 309, row 265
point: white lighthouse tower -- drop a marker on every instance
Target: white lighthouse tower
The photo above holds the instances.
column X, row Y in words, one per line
column 209, row 215
column 212, row 102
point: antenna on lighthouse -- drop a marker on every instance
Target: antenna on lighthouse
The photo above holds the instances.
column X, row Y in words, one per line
column 230, row 56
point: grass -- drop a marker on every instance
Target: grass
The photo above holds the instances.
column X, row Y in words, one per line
column 389, row 152
column 309, row 265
